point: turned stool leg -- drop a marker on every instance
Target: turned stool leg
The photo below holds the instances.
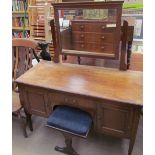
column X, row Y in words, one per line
column 68, row 149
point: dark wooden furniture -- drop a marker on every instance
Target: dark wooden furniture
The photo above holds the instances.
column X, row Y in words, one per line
column 22, row 54
column 107, row 31
column 71, row 122
column 112, row 97
column 95, row 38
column 66, row 42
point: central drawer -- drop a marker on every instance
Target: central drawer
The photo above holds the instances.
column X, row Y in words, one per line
column 93, row 27
column 59, row 98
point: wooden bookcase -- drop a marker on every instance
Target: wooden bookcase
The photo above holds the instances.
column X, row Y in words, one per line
column 20, row 19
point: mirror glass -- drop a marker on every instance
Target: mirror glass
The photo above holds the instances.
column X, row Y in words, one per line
column 87, row 30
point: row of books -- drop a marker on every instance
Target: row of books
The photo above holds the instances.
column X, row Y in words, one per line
column 20, row 34
column 19, row 5
column 20, row 22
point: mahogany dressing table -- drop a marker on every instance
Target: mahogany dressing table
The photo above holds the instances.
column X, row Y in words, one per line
column 112, row 97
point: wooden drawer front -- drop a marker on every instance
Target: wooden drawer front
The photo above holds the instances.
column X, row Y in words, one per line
column 37, row 102
column 94, row 37
column 92, row 27
column 73, row 100
column 92, row 47
column 114, row 120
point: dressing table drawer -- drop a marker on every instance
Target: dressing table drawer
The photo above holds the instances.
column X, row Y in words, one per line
column 72, row 100
column 93, row 47
column 84, row 26
column 93, row 37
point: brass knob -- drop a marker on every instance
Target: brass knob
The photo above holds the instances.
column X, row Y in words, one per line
column 102, row 37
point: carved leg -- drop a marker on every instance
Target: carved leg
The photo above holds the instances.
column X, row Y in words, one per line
column 129, row 53
column 134, row 130
column 68, row 149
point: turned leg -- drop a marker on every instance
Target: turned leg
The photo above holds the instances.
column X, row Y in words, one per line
column 129, row 50
column 134, row 130
column 68, row 149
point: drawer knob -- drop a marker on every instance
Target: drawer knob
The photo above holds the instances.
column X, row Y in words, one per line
column 82, row 45
column 102, row 47
column 81, row 26
column 103, row 27
column 102, row 37
column 81, row 35
column 66, row 99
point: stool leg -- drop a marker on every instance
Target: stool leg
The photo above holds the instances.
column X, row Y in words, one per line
column 68, row 149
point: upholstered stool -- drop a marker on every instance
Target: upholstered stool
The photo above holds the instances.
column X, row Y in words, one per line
column 71, row 121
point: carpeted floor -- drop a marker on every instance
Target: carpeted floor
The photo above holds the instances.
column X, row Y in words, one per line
column 43, row 140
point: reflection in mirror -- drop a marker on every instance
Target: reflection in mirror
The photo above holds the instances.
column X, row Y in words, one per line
column 88, row 30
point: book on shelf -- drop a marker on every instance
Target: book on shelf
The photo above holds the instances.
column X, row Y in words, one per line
column 20, row 22
column 19, row 5
column 21, row 34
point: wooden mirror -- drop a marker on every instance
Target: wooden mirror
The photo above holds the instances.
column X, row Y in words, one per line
column 88, row 29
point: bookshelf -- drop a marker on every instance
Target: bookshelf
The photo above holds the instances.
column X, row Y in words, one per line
column 20, row 19
column 40, row 14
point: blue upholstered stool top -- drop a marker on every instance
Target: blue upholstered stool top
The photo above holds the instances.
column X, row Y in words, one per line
column 70, row 119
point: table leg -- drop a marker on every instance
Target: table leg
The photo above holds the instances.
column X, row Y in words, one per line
column 29, row 120
column 134, row 130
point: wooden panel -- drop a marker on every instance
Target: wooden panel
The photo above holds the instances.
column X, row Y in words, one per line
column 115, row 120
column 38, row 102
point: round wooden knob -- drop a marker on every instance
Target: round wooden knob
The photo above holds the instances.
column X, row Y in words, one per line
column 102, row 37
column 103, row 27
column 81, row 35
column 82, row 45
column 66, row 99
column 102, row 47
column 81, row 26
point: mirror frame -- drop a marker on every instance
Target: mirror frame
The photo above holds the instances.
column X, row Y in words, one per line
column 86, row 5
